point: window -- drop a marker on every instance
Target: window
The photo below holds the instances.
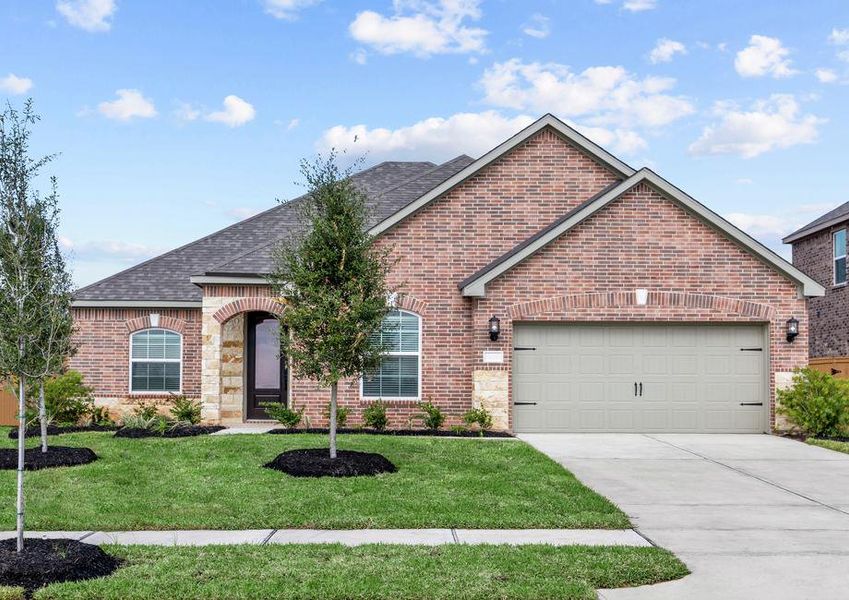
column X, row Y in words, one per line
column 155, row 361
column 398, row 374
column 839, row 256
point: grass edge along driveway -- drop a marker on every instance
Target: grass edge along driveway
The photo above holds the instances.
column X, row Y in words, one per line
column 218, row 482
column 334, row 572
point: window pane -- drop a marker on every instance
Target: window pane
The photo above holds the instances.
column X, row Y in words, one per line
column 840, row 270
column 155, row 377
column 267, row 355
column 840, row 243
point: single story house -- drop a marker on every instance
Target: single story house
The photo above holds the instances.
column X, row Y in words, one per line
column 546, row 281
column 819, row 249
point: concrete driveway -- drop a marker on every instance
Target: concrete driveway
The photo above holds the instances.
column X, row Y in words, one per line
column 752, row 516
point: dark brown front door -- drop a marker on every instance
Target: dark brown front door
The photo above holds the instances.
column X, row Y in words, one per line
column 266, row 377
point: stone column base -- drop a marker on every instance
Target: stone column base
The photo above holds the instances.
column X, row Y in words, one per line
column 491, row 392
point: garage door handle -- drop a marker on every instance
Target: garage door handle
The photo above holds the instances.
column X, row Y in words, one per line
column 751, row 404
column 751, row 349
column 524, row 404
column 521, row 348
column 635, row 388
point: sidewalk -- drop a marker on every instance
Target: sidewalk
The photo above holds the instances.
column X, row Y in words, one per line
column 353, row 537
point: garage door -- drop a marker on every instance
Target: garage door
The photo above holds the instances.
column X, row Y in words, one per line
column 639, row 377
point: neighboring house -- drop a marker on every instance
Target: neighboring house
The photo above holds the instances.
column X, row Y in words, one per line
column 623, row 304
column 819, row 249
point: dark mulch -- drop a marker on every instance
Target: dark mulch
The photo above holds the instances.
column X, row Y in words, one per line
column 797, row 435
column 399, row 432
column 171, row 432
column 43, row 562
column 59, row 430
column 56, row 456
column 316, row 462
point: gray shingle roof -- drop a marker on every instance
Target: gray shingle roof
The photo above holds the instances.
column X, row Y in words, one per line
column 245, row 247
column 841, row 213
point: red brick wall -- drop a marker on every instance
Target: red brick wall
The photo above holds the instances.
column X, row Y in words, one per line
column 829, row 314
column 103, row 336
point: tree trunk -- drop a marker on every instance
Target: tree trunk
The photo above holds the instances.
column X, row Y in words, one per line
column 42, row 415
column 22, row 430
column 333, row 387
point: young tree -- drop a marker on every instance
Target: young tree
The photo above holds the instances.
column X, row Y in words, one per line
column 28, row 272
column 332, row 279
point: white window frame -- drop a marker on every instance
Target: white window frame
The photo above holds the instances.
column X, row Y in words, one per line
column 418, row 396
column 835, row 258
column 171, row 360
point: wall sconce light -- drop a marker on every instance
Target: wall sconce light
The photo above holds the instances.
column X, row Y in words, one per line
column 154, row 319
column 494, row 328
column 792, row 328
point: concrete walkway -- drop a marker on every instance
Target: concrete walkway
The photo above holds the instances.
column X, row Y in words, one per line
column 263, row 427
column 354, row 537
column 753, row 516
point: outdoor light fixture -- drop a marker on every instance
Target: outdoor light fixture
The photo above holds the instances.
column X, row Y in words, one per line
column 494, row 328
column 792, row 328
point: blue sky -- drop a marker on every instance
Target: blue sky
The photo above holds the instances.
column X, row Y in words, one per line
column 174, row 119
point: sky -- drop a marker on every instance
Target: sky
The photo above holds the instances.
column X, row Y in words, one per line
column 175, row 119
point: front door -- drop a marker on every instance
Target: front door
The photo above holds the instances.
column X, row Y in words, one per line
column 266, row 376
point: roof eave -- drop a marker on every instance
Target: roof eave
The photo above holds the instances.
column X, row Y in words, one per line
column 136, row 304
column 805, row 232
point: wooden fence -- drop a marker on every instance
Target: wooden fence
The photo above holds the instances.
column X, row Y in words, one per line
column 836, row 365
column 8, row 405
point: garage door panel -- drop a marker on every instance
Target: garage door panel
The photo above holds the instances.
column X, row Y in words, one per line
column 695, row 377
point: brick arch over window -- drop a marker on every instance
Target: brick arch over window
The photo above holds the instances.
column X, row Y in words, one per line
column 165, row 322
column 411, row 303
column 253, row 304
column 562, row 304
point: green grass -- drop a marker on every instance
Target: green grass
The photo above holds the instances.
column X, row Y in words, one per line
column 830, row 444
column 217, row 482
column 334, row 572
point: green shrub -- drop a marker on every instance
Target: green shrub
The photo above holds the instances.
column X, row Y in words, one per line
column 479, row 417
column 100, row 416
column 146, row 410
column 12, row 593
column 67, row 399
column 186, row 410
column 816, row 403
column 139, row 421
column 283, row 414
column 459, row 428
column 433, row 417
column 341, row 414
column 374, row 415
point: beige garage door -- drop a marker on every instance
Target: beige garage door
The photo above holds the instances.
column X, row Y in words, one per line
column 639, row 377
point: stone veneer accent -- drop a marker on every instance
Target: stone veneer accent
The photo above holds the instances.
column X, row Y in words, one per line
column 492, row 392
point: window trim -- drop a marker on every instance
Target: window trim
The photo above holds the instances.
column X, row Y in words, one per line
column 171, row 360
column 418, row 396
column 835, row 258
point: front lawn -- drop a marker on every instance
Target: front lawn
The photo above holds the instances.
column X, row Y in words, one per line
column 334, row 572
column 217, row 482
column 830, row 444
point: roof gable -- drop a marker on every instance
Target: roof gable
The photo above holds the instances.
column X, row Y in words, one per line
column 832, row 217
column 475, row 285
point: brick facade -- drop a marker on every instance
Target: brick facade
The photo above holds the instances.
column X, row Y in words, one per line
column 642, row 240
column 829, row 314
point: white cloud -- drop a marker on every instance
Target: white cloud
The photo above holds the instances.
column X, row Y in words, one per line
column 538, row 26
column 236, row 112
column 91, row 15
column 764, row 56
column 243, row 212
column 422, row 27
column 826, row 75
column 839, row 37
column 665, row 50
column 843, row 55
column 639, row 5
column 14, row 85
column 187, row 112
column 771, row 227
column 359, row 56
column 768, row 125
column 435, row 138
column 599, row 96
column 292, row 124
column 130, row 104
column 287, row 9
column 97, row 250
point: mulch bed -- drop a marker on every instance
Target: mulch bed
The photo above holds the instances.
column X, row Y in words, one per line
column 171, row 432
column 43, row 562
column 59, row 430
column 399, row 432
column 795, row 435
column 56, row 456
column 316, row 462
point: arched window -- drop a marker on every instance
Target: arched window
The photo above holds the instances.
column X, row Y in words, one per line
column 155, row 361
column 399, row 373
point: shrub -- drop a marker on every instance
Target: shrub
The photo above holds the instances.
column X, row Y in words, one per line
column 479, row 417
column 186, row 410
column 67, row 399
column 341, row 415
column 146, row 410
column 139, row 421
column 817, row 403
column 12, row 593
column 100, row 416
column 459, row 428
column 433, row 417
column 374, row 415
column 283, row 414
